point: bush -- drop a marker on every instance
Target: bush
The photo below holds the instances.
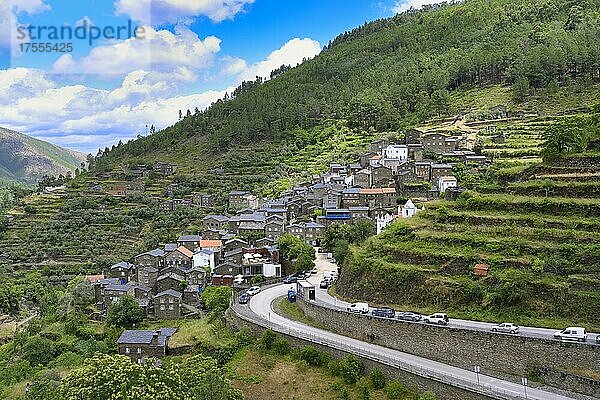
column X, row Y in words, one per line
column 216, row 298
column 282, row 346
column 38, row 351
column 395, row 390
column 125, row 313
column 428, row 396
column 377, row 379
column 244, row 336
column 310, row 355
column 267, row 340
column 351, row 369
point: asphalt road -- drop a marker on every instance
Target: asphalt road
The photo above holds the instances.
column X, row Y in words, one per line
column 323, row 264
column 261, row 305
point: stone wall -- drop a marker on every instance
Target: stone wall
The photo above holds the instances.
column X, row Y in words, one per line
column 442, row 391
column 497, row 354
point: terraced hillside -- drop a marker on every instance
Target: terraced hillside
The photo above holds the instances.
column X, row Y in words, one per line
column 539, row 232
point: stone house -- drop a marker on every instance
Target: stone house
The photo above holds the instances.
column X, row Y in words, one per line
column 423, row 170
column 190, row 242
column 365, row 159
column 204, row 200
column 180, row 257
column 295, row 230
column 227, row 268
column 380, row 175
column 313, row 232
column 167, row 304
column 111, row 294
column 122, row 270
column 235, row 243
column 439, row 170
column 413, row 136
column 236, row 200
column 274, row 228
column 169, row 281
column 165, row 168
column 233, row 256
column 152, row 258
column 139, row 345
column 363, row 179
column 217, row 222
column 357, row 213
column 377, row 146
column 147, row 275
column 197, row 276
column 351, row 197
column 383, row 197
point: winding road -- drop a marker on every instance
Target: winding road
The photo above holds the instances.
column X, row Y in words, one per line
column 323, row 297
column 260, row 307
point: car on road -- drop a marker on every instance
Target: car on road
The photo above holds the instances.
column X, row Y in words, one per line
column 244, row 298
column 324, row 284
column 574, row 333
column 410, row 316
column 290, row 279
column 506, row 327
column 253, row 290
column 598, row 339
column 314, row 270
column 362, row 308
column 437, row 318
column 386, row 312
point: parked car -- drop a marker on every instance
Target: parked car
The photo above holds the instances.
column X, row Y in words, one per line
column 506, row 327
column 574, row 333
column 410, row 316
column 362, row 308
column 291, row 295
column 253, row 290
column 598, row 339
column 290, row 279
column 386, row 312
column 244, row 298
column 437, row 318
column 314, row 270
column 334, row 274
column 324, row 284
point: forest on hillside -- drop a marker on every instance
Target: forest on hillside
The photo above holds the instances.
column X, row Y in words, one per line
column 395, row 72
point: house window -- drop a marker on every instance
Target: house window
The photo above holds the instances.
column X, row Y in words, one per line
column 139, row 350
column 171, row 307
column 127, row 350
column 162, row 307
column 139, row 360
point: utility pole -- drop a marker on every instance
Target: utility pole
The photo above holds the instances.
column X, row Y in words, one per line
column 524, row 382
column 477, row 370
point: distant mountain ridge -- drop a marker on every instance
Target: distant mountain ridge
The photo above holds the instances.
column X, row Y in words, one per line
column 25, row 159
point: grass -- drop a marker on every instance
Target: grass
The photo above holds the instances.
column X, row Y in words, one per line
column 191, row 332
column 293, row 312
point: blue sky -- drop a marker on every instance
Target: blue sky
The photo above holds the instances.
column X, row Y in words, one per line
column 191, row 53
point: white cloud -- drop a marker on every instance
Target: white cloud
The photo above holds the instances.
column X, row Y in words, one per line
column 87, row 118
column 9, row 11
column 161, row 50
column 403, row 5
column 157, row 12
column 291, row 53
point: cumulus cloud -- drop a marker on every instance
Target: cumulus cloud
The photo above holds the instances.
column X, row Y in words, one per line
column 157, row 50
column 9, row 11
column 291, row 53
column 157, row 12
column 87, row 118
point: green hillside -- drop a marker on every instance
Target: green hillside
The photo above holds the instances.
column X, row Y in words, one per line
column 419, row 69
column 24, row 159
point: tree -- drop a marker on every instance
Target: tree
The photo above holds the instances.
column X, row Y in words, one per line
column 216, row 298
column 116, row 377
column 520, row 89
column 125, row 313
column 297, row 251
column 362, row 229
column 567, row 136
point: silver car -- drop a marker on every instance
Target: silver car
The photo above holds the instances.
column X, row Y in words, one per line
column 506, row 327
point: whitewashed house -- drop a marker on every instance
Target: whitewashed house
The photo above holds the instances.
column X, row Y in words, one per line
column 445, row 182
column 382, row 221
column 396, row 151
column 204, row 259
column 408, row 210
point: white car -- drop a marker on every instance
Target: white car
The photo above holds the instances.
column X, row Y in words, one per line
column 253, row 290
column 437, row 318
column 362, row 308
column 572, row 333
column 506, row 327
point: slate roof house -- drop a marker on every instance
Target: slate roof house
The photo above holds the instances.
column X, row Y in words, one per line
column 167, row 304
column 139, row 344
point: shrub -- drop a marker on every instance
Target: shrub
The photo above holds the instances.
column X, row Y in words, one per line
column 428, row 396
column 377, row 379
column 244, row 336
column 395, row 390
column 38, row 351
column 282, row 346
column 310, row 355
column 267, row 340
column 351, row 369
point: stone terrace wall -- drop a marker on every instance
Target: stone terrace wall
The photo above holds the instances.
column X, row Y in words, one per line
column 502, row 354
column 442, row 391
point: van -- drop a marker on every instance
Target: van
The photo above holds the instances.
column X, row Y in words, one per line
column 362, row 308
column 571, row 333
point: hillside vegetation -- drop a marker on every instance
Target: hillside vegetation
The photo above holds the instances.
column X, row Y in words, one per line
column 24, row 159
